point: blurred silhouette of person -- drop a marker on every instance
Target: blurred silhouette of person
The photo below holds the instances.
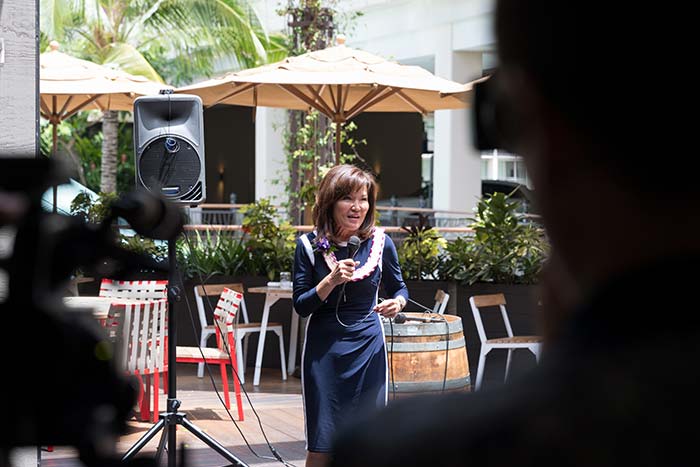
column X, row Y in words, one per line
column 602, row 134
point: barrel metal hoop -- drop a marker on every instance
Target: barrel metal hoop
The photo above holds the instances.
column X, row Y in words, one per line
column 425, row 346
column 425, row 386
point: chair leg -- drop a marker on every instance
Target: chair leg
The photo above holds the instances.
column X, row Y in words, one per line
column 240, row 362
column 139, row 398
column 535, row 349
column 237, row 386
column 245, row 347
column 480, row 369
column 200, row 366
column 283, row 360
column 224, row 381
column 156, row 384
column 146, row 403
column 508, row 361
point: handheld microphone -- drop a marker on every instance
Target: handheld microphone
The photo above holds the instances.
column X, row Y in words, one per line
column 401, row 318
column 353, row 246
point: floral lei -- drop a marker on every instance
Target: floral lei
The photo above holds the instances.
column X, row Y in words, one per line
column 375, row 255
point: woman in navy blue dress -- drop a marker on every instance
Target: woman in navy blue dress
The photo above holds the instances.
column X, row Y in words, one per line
column 344, row 363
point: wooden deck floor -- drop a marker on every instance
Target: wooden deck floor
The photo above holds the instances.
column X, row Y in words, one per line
column 278, row 405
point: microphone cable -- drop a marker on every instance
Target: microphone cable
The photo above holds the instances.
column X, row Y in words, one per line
column 208, row 304
column 341, row 294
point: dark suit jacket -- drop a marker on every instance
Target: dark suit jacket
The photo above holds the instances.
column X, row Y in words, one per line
column 619, row 387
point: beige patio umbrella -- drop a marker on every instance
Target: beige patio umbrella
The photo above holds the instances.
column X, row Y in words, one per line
column 340, row 82
column 68, row 85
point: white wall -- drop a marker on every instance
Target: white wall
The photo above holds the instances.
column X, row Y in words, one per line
column 270, row 161
column 19, row 83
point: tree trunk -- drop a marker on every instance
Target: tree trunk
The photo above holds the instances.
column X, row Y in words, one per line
column 110, row 130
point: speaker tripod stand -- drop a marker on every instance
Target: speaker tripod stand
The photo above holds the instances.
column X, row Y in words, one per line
column 171, row 417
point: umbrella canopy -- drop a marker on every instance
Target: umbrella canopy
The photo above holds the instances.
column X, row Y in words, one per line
column 340, row 82
column 68, row 85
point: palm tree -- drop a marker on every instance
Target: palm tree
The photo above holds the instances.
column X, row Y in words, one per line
column 163, row 40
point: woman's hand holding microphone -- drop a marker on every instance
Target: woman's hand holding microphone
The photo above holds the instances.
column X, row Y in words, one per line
column 341, row 273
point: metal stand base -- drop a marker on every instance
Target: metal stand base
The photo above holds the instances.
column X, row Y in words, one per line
column 169, row 421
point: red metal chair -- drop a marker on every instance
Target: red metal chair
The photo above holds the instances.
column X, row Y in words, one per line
column 225, row 351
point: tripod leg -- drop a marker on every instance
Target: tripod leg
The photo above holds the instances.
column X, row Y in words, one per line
column 144, row 440
column 212, row 443
column 161, row 446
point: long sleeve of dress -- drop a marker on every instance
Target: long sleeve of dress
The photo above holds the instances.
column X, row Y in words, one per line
column 306, row 300
column 391, row 273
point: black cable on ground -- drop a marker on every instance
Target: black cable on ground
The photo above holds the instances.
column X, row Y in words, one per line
column 274, row 452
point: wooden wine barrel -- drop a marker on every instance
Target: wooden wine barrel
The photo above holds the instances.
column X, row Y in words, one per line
column 419, row 352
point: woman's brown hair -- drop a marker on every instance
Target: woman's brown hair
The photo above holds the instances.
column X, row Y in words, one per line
column 343, row 180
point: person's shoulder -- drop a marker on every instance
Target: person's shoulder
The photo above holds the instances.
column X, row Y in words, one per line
column 310, row 236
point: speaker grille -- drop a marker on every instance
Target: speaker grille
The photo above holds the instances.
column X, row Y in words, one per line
column 174, row 175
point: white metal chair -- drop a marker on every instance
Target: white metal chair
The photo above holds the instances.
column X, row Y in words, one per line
column 441, row 299
column 532, row 343
column 143, row 348
column 243, row 330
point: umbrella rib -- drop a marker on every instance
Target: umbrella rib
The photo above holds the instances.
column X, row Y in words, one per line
column 339, row 108
column 300, row 95
column 345, row 98
column 319, row 99
column 65, row 106
column 81, row 106
column 45, row 106
column 236, row 92
column 372, row 92
column 372, row 101
column 411, row 102
column 335, row 105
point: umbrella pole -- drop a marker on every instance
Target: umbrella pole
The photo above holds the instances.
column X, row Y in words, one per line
column 53, row 156
column 337, row 142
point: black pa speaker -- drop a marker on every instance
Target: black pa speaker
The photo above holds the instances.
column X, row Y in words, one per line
column 169, row 146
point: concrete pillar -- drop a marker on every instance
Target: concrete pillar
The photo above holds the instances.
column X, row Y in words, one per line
column 456, row 164
column 270, row 161
column 19, row 78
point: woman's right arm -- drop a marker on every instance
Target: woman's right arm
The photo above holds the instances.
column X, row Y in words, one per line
column 309, row 296
column 306, row 300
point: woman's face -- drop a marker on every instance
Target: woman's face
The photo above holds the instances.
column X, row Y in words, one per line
column 349, row 212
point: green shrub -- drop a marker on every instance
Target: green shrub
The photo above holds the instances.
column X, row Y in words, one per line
column 207, row 255
column 503, row 250
column 420, row 252
column 270, row 242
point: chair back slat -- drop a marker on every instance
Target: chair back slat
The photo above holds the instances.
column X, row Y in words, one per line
column 225, row 314
column 441, row 299
column 143, row 336
column 134, row 290
column 482, row 301
column 210, row 290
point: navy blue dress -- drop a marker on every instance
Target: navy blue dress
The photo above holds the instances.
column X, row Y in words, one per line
column 344, row 369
